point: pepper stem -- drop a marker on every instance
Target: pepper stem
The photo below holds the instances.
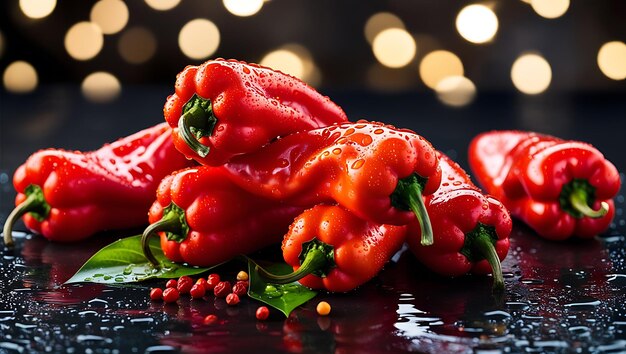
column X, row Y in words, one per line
column 480, row 244
column 34, row 202
column 197, row 121
column 408, row 195
column 578, row 200
column 170, row 222
column 314, row 260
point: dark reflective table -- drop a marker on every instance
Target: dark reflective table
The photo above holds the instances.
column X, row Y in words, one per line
column 567, row 297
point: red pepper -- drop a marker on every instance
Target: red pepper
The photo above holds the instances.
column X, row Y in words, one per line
column 377, row 172
column 559, row 188
column 471, row 230
column 204, row 219
column 70, row 195
column 228, row 107
column 331, row 248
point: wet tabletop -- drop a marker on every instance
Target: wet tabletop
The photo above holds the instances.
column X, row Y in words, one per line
column 560, row 297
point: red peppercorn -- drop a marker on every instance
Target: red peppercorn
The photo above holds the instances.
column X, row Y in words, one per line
column 211, row 281
column 172, row 283
column 210, row 319
column 170, row 295
column 262, row 313
column 222, row 289
column 197, row 291
column 184, row 286
column 240, row 289
column 156, row 294
column 232, row 299
column 201, row 281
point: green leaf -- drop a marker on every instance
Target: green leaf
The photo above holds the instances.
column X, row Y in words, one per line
column 285, row 297
column 123, row 262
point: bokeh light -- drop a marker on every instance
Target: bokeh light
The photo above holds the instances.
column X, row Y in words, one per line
column 477, row 23
column 243, row 8
column 110, row 15
column 199, row 38
column 286, row 61
column 137, row 45
column 37, row 8
column 311, row 73
column 456, row 91
column 162, row 5
column 101, row 87
column 380, row 22
column 20, row 77
column 612, row 60
column 550, row 8
column 84, row 41
column 531, row 74
column 394, row 47
column 438, row 65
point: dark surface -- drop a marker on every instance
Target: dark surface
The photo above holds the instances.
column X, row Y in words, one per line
column 560, row 298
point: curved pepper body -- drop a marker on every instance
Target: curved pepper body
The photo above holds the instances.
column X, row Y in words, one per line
column 357, row 165
column 530, row 173
column 223, row 220
column 360, row 248
column 106, row 189
column 456, row 209
column 252, row 105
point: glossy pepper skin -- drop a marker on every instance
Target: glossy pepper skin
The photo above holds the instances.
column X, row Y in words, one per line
column 471, row 230
column 559, row 188
column 204, row 219
column 377, row 172
column 70, row 195
column 224, row 108
column 330, row 248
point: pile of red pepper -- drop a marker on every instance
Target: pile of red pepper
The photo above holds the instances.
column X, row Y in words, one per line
column 278, row 158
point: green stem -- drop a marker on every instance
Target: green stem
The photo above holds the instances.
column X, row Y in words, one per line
column 484, row 244
column 579, row 201
column 416, row 203
column 197, row 121
column 314, row 260
column 408, row 196
column 34, row 202
column 170, row 222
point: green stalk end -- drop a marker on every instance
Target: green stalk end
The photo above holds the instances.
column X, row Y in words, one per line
column 577, row 197
column 173, row 222
column 316, row 258
column 480, row 244
column 196, row 122
column 408, row 196
column 35, row 203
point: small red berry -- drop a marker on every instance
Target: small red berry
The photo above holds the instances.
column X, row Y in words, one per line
column 210, row 319
column 170, row 295
column 262, row 313
column 156, row 294
column 172, row 283
column 240, row 289
column 222, row 289
column 212, row 280
column 197, row 291
column 184, row 286
column 201, row 281
column 232, row 299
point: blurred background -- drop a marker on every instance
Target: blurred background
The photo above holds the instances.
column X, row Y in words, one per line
column 76, row 74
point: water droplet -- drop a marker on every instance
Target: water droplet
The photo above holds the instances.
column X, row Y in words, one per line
column 378, row 131
column 358, row 164
column 336, row 151
column 246, row 70
column 366, row 140
column 349, row 132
